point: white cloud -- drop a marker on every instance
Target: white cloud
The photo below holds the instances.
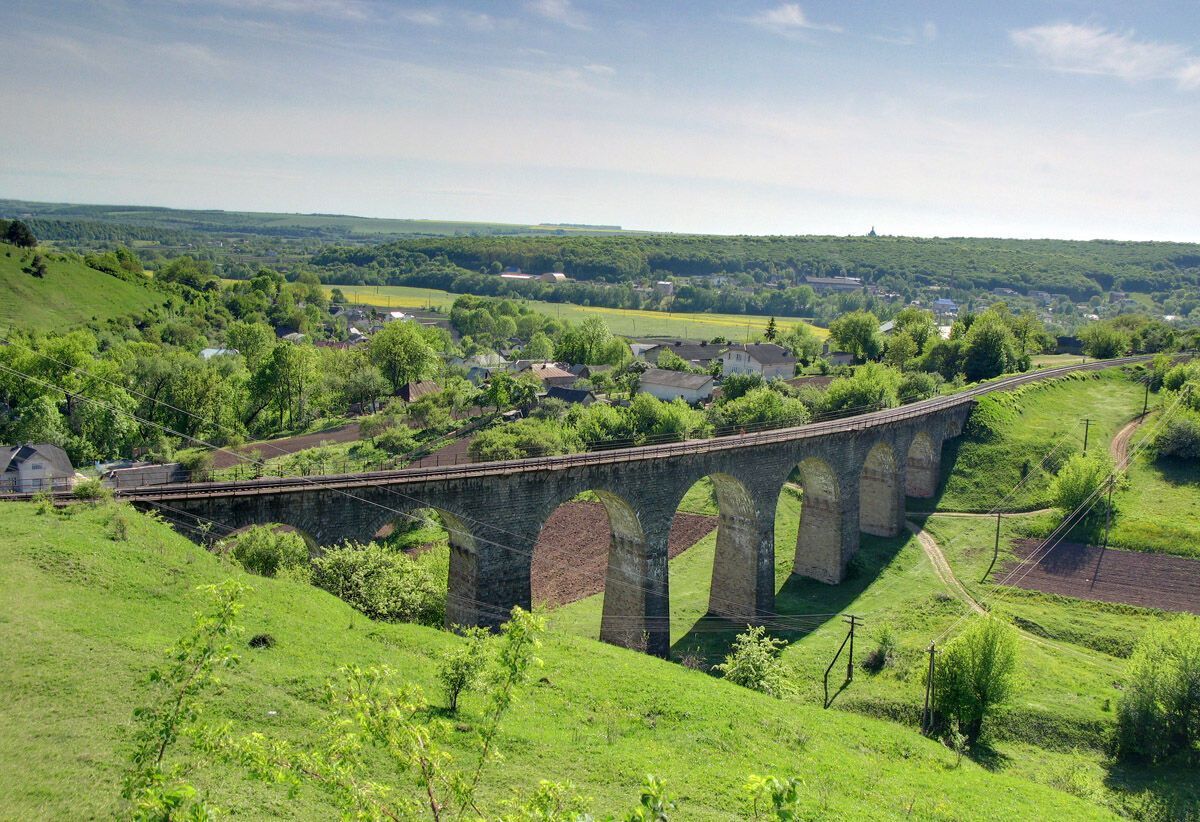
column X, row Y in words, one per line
column 788, row 18
column 422, row 17
column 560, row 11
column 600, row 69
column 345, row 9
column 1090, row 49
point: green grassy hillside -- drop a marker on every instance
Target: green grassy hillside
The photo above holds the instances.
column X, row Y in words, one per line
column 84, row 616
column 69, row 294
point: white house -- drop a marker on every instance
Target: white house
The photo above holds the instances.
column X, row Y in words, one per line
column 209, row 353
column 26, row 468
column 766, row 359
column 670, row 385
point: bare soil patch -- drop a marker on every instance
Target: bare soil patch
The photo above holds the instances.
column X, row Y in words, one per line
column 1131, row 577
column 571, row 555
column 286, row 445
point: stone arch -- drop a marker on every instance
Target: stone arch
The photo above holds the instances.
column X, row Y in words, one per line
column 880, row 509
column 739, row 590
column 820, row 550
column 921, row 474
column 634, row 613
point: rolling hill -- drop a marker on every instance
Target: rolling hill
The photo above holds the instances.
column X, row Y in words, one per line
column 70, row 293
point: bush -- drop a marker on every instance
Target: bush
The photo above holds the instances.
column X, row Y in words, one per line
column 918, row 385
column 399, row 439
column 195, row 461
column 459, row 667
column 1079, row 480
column 976, row 673
column 754, row 663
column 524, row 438
column 383, row 584
column 1179, row 437
column 265, row 551
column 92, row 490
column 884, row 654
column 1158, row 713
column 872, row 386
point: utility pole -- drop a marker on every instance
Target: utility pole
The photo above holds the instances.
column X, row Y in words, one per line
column 1108, row 509
column 1146, row 400
column 853, row 620
column 1087, row 424
column 995, row 550
column 927, row 714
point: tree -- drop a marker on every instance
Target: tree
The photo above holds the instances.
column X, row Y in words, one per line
column 19, row 234
column 976, row 673
column 802, row 342
column 1158, row 712
column 252, row 340
column 460, row 667
column 285, row 380
column 187, row 271
column 857, row 333
column 540, row 347
column 738, row 385
column 402, row 353
column 38, row 269
column 753, row 662
column 990, row 349
column 870, row 388
column 1104, row 341
column 919, row 324
column 591, row 343
column 901, row 348
column 760, row 406
column 1179, row 437
column 668, row 360
column 772, row 331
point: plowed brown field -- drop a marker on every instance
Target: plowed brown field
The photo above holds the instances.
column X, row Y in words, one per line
column 1131, row 577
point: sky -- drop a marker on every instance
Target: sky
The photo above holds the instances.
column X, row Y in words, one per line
column 1026, row 118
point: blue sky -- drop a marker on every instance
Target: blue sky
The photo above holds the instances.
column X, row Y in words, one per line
column 1024, row 118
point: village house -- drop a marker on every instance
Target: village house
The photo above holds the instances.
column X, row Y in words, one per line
column 672, row 385
column 697, row 354
column 550, row 374
column 665, row 287
column 945, row 306
column 834, row 283
column 413, row 391
column 765, row 359
column 553, row 277
column 571, row 396
column 27, row 468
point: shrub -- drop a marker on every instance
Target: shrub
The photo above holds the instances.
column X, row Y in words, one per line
column 918, row 385
column 1158, row 712
column 1179, row 437
column 195, row 461
column 871, row 387
column 265, row 551
column 459, row 667
column 91, row 489
column 976, row 673
column 383, row 584
column 754, row 662
column 399, row 439
column 1079, row 479
column 884, row 654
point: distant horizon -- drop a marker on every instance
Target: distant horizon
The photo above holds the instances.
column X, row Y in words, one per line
column 1030, row 119
column 550, row 224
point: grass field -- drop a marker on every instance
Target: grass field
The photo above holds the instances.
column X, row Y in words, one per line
column 69, row 294
column 85, row 616
column 624, row 321
column 1047, row 418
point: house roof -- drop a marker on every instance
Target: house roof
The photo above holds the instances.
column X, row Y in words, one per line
column 11, row 457
column 209, row 353
column 692, row 352
column 549, row 371
column 571, row 395
column 676, row 379
column 413, row 391
column 766, row 353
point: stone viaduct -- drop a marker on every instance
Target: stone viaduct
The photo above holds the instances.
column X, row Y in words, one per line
column 855, row 474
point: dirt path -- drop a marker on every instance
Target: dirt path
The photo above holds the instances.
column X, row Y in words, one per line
column 1119, row 449
column 978, row 514
column 942, row 568
column 946, row 574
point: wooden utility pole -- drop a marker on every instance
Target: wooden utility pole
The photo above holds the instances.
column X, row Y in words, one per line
column 1087, row 424
column 853, row 621
column 1146, row 400
column 927, row 715
column 1108, row 509
column 995, row 550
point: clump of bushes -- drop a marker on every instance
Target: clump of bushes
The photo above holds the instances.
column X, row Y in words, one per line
column 1158, row 713
column 92, row 490
column 884, row 654
column 460, row 667
column 754, row 663
column 385, row 584
column 975, row 674
column 267, row 551
column 1179, row 437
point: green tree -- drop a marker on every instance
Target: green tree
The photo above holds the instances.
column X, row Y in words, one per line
column 1079, row 482
column 403, row 354
column 760, row 406
column 919, row 324
column 857, row 333
column 802, row 342
column 286, row 380
column 901, row 349
column 265, row 551
column 870, row 388
column 540, row 347
column 460, row 666
column 772, row 331
column 19, row 234
column 990, row 348
column 1158, row 712
column 1104, row 341
column 252, row 340
column 976, row 673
